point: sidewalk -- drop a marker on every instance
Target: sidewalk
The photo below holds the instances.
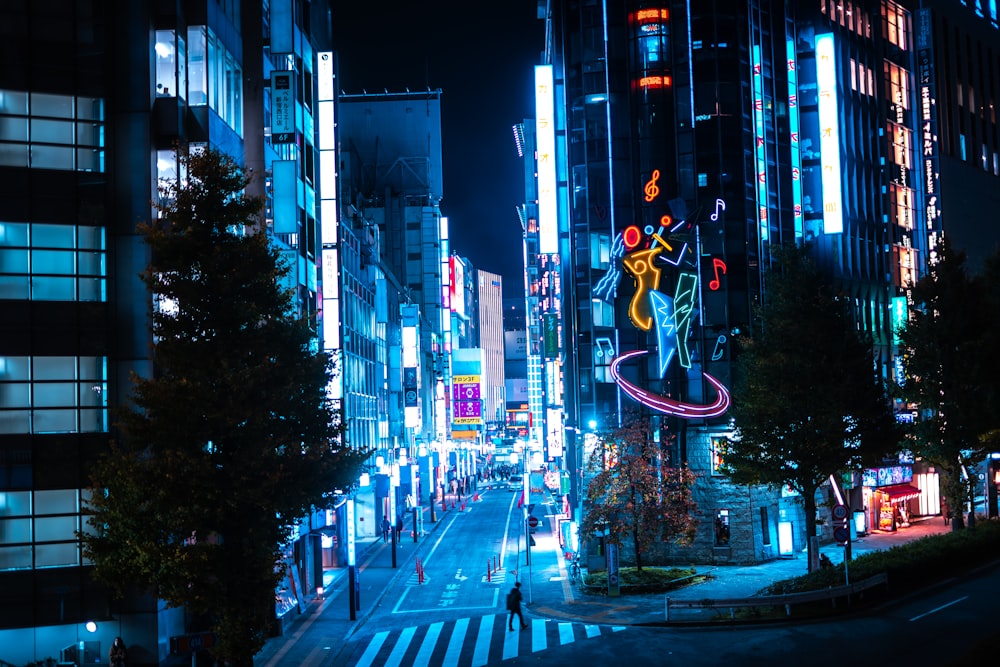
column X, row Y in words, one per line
column 329, row 613
column 726, row 581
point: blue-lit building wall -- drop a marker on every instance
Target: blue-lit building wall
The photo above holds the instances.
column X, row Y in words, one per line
column 95, row 100
column 755, row 124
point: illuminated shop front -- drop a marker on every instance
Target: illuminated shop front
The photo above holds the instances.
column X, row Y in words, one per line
column 888, row 492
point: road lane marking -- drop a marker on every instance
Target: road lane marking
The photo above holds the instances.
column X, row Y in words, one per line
column 430, row 641
column 944, row 606
column 565, row 633
column 481, row 654
column 373, row 648
column 538, row 641
column 455, row 643
column 510, row 641
column 592, row 631
column 399, row 650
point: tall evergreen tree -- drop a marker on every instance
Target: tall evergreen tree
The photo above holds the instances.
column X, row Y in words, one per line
column 234, row 437
column 808, row 401
column 634, row 493
column 949, row 365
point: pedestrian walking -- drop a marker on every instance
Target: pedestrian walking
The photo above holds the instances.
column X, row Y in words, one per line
column 117, row 654
column 514, row 607
column 386, row 527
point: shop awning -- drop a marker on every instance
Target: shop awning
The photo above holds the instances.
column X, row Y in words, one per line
column 900, row 491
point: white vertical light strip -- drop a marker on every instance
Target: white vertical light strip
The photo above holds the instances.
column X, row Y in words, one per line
column 329, row 214
column 829, row 137
column 545, row 138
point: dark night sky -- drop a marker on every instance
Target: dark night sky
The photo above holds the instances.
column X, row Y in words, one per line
column 482, row 57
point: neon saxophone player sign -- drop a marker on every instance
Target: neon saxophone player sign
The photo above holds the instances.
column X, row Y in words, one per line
column 669, row 317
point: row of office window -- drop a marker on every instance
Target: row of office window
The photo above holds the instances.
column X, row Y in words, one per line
column 46, row 131
column 200, row 69
column 38, row 529
column 53, row 394
column 43, row 262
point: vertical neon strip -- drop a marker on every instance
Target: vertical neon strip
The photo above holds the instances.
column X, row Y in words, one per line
column 545, row 138
column 793, row 127
column 829, row 137
column 759, row 147
column 329, row 254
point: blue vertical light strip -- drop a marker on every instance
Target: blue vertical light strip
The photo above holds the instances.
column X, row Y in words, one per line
column 829, row 134
column 759, row 141
column 793, row 127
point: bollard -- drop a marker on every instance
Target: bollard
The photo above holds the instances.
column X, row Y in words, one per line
column 463, row 505
column 488, row 574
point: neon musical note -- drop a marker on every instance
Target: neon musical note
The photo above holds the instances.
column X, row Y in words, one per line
column 719, row 350
column 719, row 205
column 717, row 264
column 600, row 347
column 652, row 189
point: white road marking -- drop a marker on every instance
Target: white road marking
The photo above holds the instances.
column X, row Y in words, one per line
column 944, row 606
column 373, row 649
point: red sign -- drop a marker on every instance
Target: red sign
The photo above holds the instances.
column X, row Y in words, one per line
column 532, row 521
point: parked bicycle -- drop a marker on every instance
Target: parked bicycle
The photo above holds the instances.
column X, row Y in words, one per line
column 575, row 575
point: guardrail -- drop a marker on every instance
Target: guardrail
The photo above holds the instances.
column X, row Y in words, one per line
column 786, row 601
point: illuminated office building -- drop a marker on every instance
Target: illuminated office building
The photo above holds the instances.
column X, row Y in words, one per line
column 95, row 100
column 691, row 138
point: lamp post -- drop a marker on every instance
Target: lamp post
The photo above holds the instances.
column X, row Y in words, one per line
column 353, row 585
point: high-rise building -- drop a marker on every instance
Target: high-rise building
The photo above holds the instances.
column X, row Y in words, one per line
column 696, row 137
column 489, row 311
column 96, row 101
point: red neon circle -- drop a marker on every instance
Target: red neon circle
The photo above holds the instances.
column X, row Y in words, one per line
column 632, row 232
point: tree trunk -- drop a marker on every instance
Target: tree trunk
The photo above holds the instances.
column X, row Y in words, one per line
column 635, row 545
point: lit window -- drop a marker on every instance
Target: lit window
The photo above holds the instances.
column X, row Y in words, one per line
column 45, row 131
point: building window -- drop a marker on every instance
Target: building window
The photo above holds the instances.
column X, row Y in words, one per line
column 600, row 251
column 38, row 529
column 718, row 447
column 40, row 262
column 765, row 528
column 722, row 528
column 53, row 395
column 895, row 24
column 44, row 131
column 215, row 77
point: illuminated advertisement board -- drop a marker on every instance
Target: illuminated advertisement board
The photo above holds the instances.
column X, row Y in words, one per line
column 457, row 285
column 760, row 144
column 793, row 128
column 928, row 127
column 829, row 138
column 545, row 141
column 282, row 107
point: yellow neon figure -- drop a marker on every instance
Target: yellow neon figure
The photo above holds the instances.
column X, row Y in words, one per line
column 647, row 277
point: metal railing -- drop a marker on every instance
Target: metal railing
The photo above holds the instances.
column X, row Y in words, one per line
column 787, row 601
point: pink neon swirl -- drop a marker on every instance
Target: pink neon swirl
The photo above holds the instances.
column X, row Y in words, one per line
column 668, row 405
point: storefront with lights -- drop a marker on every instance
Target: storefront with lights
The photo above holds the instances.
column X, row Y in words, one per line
column 892, row 496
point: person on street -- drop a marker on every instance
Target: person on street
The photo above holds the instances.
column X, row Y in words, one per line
column 514, row 606
column 116, row 656
column 386, row 527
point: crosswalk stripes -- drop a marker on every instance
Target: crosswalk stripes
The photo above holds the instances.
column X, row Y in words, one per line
column 471, row 642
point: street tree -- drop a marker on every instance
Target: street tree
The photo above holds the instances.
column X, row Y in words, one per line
column 949, row 370
column 634, row 493
column 808, row 401
column 233, row 437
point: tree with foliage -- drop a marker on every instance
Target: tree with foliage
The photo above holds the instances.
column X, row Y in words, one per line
column 950, row 371
column 808, row 401
column 233, row 438
column 634, row 492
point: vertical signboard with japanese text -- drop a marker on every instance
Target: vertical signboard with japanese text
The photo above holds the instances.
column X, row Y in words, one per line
column 282, row 107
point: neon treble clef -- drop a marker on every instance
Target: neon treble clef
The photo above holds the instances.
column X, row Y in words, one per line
column 652, row 189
